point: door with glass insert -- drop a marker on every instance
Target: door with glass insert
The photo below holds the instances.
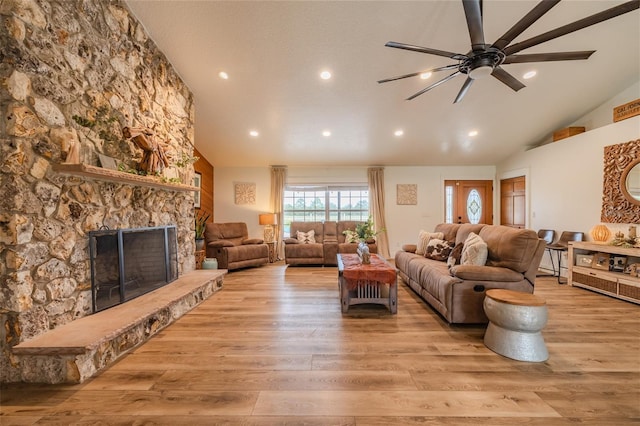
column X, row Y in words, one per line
column 468, row 201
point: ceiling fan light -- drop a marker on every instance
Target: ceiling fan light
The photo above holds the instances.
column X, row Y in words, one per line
column 481, row 72
column 425, row 75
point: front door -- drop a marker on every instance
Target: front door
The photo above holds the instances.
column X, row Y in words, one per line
column 468, row 201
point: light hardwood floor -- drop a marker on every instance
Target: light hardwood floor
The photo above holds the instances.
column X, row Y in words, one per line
column 273, row 348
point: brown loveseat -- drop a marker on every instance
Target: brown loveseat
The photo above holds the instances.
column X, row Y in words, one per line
column 229, row 243
column 457, row 293
column 329, row 241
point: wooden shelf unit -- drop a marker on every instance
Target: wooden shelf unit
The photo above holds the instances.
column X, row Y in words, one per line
column 614, row 284
column 109, row 175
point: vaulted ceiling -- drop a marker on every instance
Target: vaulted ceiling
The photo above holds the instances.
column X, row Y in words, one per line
column 274, row 52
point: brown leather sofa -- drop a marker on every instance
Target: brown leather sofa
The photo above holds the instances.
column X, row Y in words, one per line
column 329, row 241
column 458, row 293
column 230, row 244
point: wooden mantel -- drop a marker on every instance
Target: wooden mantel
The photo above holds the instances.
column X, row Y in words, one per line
column 109, row 175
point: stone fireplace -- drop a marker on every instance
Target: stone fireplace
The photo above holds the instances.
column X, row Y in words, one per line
column 65, row 65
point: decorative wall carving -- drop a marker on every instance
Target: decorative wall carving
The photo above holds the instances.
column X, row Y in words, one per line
column 245, row 193
column 407, row 194
column 616, row 208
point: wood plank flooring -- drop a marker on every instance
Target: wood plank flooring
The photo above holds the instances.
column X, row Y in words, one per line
column 273, row 348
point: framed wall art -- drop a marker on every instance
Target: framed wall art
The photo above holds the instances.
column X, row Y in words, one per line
column 197, row 181
column 407, row 194
column 245, row 193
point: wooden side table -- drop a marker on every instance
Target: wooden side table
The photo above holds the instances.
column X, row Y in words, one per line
column 200, row 255
column 272, row 251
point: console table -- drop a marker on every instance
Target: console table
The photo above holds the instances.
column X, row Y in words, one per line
column 612, row 283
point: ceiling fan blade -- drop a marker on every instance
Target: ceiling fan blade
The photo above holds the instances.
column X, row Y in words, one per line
column 547, row 57
column 473, row 13
column 436, row 84
column 456, row 56
column 413, row 74
column 524, row 23
column 507, row 78
column 463, row 91
column 574, row 26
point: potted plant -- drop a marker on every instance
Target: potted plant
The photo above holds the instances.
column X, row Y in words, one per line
column 365, row 230
column 200, row 225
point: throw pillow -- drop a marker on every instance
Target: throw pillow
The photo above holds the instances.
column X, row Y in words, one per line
column 475, row 251
column 455, row 255
column 438, row 249
column 423, row 240
column 306, row 237
column 350, row 236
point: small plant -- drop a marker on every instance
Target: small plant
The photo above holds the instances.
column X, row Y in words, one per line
column 200, row 224
column 124, row 168
column 101, row 124
column 185, row 160
column 365, row 230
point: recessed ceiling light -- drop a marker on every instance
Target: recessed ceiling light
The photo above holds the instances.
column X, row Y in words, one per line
column 473, row 133
column 399, row 132
column 325, row 75
column 254, row 133
column 529, row 75
column 425, row 75
column 326, row 133
column 223, row 75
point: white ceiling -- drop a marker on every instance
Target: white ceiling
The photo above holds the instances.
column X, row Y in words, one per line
column 274, row 51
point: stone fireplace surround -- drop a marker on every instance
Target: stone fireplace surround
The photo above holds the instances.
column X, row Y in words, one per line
column 65, row 59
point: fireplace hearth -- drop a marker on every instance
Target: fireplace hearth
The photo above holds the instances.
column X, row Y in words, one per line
column 127, row 263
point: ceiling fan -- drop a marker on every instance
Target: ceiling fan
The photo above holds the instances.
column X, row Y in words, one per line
column 486, row 59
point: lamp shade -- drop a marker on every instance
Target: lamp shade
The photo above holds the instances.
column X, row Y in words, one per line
column 600, row 233
column 268, row 219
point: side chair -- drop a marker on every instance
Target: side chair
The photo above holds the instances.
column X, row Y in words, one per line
column 548, row 235
column 562, row 245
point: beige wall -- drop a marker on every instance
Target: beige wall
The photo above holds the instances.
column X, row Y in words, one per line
column 403, row 222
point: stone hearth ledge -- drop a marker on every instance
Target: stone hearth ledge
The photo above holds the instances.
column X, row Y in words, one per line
column 79, row 350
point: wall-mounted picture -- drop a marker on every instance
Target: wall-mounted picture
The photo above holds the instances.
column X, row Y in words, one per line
column 601, row 261
column 407, row 194
column 197, row 181
column 245, row 193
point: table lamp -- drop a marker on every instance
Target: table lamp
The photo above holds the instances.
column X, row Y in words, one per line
column 268, row 220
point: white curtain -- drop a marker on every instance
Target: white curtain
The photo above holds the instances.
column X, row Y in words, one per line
column 376, row 192
column 278, row 182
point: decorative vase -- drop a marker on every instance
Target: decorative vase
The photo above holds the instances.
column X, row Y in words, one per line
column 210, row 263
column 199, row 244
column 363, row 253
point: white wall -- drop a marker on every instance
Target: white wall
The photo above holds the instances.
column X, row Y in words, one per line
column 403, row 222
column 565, row 178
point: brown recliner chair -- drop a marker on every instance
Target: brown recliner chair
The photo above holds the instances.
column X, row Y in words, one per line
column 230, row 244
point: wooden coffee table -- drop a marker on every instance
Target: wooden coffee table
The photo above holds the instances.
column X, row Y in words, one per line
column 376, row 282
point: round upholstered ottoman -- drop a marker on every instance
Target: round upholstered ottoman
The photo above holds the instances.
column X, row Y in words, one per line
column 515, row 322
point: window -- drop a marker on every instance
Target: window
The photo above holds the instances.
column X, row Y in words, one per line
column 319, row 203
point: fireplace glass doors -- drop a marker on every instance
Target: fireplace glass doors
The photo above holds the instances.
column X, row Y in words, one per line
column 127, row 263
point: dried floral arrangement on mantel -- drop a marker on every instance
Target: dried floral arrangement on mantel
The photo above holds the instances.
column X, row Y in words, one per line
column 148, row 156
